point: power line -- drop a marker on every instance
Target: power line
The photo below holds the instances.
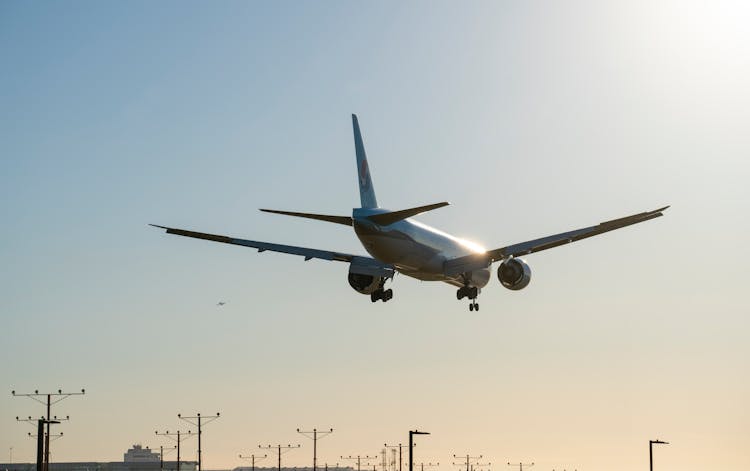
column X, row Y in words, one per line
column 315, row 443
column 206, row 419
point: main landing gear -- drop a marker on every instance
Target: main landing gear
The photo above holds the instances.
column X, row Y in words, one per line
column 382, row 295
column 470, row 292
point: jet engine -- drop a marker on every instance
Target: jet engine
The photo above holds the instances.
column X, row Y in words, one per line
column 514, row 274
column 365, row 284
column 367, row 278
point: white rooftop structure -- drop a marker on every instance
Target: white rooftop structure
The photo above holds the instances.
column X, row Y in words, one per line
column 138, row 454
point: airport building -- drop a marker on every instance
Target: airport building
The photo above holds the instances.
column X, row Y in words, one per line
column 135, row 459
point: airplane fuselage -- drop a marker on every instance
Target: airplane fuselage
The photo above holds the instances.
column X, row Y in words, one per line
column 416, row 249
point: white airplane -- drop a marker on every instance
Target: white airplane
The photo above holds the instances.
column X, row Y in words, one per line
column 398, row 243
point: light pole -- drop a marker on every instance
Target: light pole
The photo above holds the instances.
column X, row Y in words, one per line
column 206, row 419
column 400, row 447
column 180, row 437
column 468, row 460
column 429, row 465
column 651, row 452
column 161, row 455
column 411, row 446
column 252, row 459
column 521, row 465
column 359, row 459
column 315, row 443
column 59, row 396
column 280, row 447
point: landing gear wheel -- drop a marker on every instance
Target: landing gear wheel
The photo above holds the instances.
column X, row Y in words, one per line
column 476, row 306
column 471, row 307
column 387, row 295
column 374, row 296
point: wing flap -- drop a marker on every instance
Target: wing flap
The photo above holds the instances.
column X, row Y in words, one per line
column 305, row 252
column 476, row 261
column 544, row 243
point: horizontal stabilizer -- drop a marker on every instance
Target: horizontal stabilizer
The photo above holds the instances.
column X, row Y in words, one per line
column 345, row 220
column 385, row 219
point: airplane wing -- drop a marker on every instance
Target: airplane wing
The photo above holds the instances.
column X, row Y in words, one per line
column 462, row 264
column 289, row 249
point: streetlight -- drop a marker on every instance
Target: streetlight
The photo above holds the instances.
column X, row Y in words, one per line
column 411, row 446
column 651, row 452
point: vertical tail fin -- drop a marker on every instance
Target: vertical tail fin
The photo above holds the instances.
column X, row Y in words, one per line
column 366, row 190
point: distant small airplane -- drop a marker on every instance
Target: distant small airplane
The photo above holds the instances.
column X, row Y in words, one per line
column 398, row 243
column 220, row 303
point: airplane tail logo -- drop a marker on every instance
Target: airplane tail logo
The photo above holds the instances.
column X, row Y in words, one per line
column 364, row 172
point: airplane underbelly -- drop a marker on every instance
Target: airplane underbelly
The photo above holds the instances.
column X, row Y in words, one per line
column 404, row 254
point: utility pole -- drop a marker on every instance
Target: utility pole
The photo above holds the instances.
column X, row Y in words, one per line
column 286, row 449
column 468, row 458
column 59, row 396
column 252, row 459
column 411, row 446
column 198, row 418
column 651, row 452
column 400, row 447
column 180, row 437
column 359, row 459
column 315, row 443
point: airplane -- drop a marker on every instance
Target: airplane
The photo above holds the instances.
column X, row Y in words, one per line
column 398, row 243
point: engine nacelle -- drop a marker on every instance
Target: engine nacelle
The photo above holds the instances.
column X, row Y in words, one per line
column 365, row 284
column 514, row 274
column 367, row 278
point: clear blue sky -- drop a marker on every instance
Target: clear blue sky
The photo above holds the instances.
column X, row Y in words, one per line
column 530, row 117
